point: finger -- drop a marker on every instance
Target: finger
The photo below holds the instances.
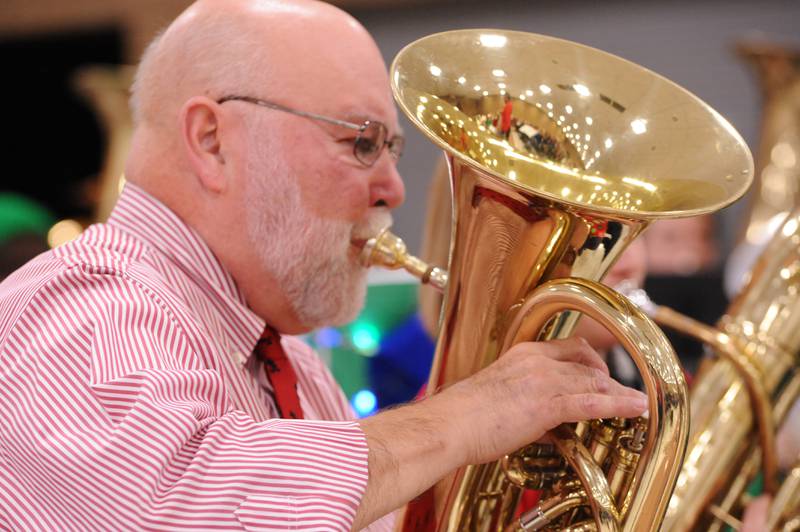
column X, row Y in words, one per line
column 568, row 370
column 585, row 380
column 575, row 350
column 617, row 388
column 755, row 516
column 584, row 406
column 576, row 378
column 629, row 392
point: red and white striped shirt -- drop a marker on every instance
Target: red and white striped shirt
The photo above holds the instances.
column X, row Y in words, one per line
column 128, row 399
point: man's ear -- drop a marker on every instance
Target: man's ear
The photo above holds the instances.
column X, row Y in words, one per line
column 200, row 128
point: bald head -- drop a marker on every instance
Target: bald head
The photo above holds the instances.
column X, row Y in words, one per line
column 267, row 48
column 219, row 161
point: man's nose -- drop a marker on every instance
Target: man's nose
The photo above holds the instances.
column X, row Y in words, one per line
column 387, row 187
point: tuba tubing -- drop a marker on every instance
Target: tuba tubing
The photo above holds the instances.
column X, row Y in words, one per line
column 668, row 419
column 664, row 381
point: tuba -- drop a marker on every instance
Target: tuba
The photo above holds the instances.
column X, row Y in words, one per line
column 776, row 189
column 741, row 395
column 559, row 156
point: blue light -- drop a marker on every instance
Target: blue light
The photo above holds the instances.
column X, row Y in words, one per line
column 364, row 403
column 328, row 338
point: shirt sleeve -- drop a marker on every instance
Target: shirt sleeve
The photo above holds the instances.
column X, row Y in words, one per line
column 110, row 421
column 328, row 400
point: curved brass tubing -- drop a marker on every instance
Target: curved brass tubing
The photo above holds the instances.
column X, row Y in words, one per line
column 785, row 505
column 748, row 369
column 663, row 378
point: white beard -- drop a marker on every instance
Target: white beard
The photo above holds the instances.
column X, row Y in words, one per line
column 310, row 257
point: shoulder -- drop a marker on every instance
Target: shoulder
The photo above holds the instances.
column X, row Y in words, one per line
column 84, row 296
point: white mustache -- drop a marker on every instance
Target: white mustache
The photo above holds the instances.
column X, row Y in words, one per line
column 374, row 224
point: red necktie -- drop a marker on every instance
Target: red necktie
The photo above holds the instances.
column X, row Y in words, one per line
column 280, row 373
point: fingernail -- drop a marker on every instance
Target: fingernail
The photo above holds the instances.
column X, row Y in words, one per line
column 642, row 402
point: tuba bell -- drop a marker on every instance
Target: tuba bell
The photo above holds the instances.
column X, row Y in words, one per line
column 559, row 156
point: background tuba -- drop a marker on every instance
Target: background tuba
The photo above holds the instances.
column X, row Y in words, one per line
column 738, row 399
column 776, row 190
column 559, row 156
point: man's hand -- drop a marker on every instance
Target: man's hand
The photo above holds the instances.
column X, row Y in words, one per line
column 532, row 388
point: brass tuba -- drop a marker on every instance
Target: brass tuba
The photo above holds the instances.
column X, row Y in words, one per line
column 559, row 155
column 776, row 189
column 743, row 394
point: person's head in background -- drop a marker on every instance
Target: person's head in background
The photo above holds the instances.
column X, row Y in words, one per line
column 681, row 247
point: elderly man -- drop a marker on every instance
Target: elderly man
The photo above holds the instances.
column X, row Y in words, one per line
column 265, row 143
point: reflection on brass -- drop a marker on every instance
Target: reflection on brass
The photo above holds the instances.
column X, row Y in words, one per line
column 784, row 513
column 777, row 187
column 748, row 370
column 739, row 398
column 559, row 156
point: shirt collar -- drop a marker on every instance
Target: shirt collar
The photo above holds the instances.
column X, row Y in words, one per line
column 143, row 216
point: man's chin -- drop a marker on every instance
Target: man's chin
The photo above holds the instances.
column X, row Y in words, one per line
column 341, row 307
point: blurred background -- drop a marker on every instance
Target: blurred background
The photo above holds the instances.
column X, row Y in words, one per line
column 65, row 90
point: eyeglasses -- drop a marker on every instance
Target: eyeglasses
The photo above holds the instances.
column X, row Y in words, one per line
column 368, row 144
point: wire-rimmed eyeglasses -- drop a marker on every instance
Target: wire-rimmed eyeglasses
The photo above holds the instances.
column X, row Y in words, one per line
column 368, row 144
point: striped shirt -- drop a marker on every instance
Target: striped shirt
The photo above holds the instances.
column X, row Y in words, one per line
column 129, row 398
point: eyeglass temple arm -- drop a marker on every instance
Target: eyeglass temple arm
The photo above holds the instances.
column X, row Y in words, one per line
column 278, row 107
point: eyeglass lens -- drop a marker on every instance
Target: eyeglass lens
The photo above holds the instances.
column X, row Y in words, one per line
column 370, row 142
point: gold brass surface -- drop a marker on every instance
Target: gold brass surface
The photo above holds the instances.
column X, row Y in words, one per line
column 776, row 190
column 762, row 327
column 612, row 136
column 785, row 509
column 559, row 155
column 107, row 90
column 667, row 422
column 749, row 371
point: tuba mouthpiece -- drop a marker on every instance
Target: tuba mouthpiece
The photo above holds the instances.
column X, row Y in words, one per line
column 387, row 250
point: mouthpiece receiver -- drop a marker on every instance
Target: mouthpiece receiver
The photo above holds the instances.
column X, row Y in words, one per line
column 387, row 250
